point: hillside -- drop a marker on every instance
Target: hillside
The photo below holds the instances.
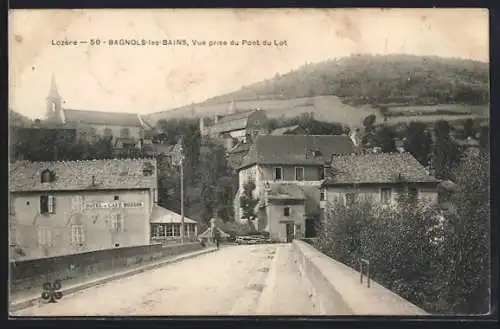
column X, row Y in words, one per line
column 366, row 79
column 347, row 89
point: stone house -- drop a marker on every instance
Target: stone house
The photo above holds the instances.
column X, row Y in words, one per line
column 379, row 177
column 237, row 127
column 60, row 208
column 287, row 171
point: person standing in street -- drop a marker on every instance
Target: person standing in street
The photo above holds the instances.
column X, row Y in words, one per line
column 216, row 236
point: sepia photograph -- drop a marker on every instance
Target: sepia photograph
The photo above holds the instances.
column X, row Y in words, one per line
column 249, row 162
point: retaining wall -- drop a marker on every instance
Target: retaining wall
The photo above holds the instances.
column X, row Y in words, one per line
column 339, row 290
column 26, row 275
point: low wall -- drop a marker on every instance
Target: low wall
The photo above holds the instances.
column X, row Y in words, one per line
column 339, row 291
column 30, row 274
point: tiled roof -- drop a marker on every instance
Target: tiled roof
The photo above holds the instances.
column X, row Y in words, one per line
column 231, row 122
column 102, row 118
column 235, row 116
column 283, row 130
column 241, row 147
column 377, row 168
column 285, row 191
column 161, row 215
column 296, row 149
column 228, row 126
column 77, row 175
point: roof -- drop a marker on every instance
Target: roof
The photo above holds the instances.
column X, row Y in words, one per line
column 109, row 174
column 161, row 215
column 235, row 116
column 296, row 149
column 239, row 148
column 284, row 130
column 231, row 122
column 19, row 120
column 376, row 168
column 102, row 118
column 278, row 191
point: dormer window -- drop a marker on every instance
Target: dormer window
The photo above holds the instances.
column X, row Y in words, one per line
column 148, row 169
column 47, row 176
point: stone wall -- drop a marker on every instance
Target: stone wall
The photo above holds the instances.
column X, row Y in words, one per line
column 28, row 275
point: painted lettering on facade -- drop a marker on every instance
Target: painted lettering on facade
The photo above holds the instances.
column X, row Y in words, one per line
column 114, row 204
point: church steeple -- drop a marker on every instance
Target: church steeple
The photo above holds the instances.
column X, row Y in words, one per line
column 54, row 103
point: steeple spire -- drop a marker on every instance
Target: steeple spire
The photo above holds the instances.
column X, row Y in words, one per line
column 54, row 103
column 53, row 92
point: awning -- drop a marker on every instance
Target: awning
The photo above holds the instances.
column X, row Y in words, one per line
column 161, row 215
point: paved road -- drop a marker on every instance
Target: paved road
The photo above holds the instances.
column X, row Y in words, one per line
column 235, row 280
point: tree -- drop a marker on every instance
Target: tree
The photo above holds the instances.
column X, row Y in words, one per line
column 446, row 154
column 469, row 128
column 385, row 137
column 369, row 123
column 248, row 203
column 418, row 142
column 466, row 265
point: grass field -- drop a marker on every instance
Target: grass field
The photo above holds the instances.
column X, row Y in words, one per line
column 328, row 109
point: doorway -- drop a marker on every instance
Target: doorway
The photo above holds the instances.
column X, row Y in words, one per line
column 289, row 232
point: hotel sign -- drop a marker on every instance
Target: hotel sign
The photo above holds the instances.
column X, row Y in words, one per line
column 114, row 205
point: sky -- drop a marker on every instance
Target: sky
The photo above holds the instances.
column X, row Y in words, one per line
column 146, row 79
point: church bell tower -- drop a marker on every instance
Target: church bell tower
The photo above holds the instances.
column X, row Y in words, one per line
column 54, row 103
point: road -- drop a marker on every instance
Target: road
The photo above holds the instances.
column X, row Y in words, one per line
column 235, row 280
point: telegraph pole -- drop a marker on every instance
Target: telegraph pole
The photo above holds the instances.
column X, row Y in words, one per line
column 182, row 198
column 180, row 161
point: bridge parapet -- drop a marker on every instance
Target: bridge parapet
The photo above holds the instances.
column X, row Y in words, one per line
column 339, row 291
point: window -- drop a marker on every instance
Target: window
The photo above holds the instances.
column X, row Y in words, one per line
column 77, row 204
column 108, row 132
column 47, row 176
column 278, row 173
column 299, row 173
column 125, row 132
column 385, row 195
column 168, row 230
column 321, row 173
column 317, row 153
column 286, row 211
column 177, row 230
column 322, row 195
column 117, row 197
column 47, row 204
column 350, row 198
column 117, row 224
column 77, row 234
column 413, row 192
column 44, row 235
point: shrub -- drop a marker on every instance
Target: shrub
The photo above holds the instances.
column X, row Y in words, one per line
column 439, row 263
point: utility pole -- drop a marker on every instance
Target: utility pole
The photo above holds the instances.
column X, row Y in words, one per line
column 179, row 160
column 182, row 197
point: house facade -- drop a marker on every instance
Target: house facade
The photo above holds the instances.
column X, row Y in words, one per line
column 287, row 172
column 378, row 177
column 60, row 208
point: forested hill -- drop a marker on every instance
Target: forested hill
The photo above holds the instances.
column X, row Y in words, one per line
column 378, row 79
